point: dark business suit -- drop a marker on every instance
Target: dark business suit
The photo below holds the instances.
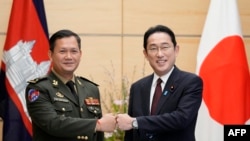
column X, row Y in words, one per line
column 176, row 111
column 57, row 115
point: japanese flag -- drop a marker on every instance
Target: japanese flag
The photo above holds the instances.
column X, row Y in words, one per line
column 222, row 64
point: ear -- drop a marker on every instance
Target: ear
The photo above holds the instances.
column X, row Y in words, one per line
column 81, row 53
column 50, row 54
column 176, row 50
column 145, row 54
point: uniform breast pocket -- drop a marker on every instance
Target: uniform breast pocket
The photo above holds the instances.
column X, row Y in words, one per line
column 63, row 108
column 95, row 110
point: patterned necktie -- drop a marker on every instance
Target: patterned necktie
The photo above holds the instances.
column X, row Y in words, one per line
column 157, row 95
column 71, row 86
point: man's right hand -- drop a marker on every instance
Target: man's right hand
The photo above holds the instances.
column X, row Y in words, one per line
column 106, row 124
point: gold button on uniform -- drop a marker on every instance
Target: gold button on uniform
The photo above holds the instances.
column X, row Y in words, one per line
column 82, row 137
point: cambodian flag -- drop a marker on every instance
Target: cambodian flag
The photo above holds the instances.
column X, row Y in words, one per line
column 223, row 66
column 25, row 57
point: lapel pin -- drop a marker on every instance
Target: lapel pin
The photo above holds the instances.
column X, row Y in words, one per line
column 172, row 88
column 165, row 93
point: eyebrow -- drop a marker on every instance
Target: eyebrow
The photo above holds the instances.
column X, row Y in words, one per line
column 160, row 44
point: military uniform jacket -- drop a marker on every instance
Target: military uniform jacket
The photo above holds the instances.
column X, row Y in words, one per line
column 57, row 115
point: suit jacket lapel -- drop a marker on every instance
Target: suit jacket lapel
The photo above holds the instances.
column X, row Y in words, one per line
column 145, row 94
column 169, row 88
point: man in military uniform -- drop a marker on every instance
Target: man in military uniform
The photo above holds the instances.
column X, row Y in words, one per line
column 63, row 106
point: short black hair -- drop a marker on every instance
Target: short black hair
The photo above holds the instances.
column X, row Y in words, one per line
column 158, row 28
column 61, row 34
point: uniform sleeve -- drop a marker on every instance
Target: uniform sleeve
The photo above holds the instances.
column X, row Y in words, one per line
column 54, row 121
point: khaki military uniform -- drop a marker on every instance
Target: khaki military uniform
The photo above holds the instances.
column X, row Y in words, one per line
column 57, row 115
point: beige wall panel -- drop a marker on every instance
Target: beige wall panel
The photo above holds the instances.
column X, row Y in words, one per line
column 244, row 10
column 84, row 16
column 2, row 40
column 98, row 56
column 5, row 7
column 101, row 62
column 135, row 66
column 247, row 47
column 185, row 17
column 186, row 59
column 188, row 52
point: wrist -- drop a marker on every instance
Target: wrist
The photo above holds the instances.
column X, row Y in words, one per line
column 98, row 125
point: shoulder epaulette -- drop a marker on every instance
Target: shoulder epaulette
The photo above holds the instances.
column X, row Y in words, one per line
column 37, row 79
column 87, row 80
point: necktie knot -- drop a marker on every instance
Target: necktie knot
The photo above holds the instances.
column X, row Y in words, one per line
column 159, row 81
column 71, row 86
column 70, row 83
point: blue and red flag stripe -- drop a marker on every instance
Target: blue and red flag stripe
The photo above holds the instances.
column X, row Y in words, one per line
column 24, row 58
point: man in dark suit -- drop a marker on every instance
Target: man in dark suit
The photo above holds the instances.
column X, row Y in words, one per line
column 63, row 106
column 173, row 117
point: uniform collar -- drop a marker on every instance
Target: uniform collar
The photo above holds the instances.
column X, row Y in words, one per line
column 63, row 79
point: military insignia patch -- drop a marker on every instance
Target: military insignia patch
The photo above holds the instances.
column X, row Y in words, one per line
column 33, row 95
column 79, row 82
column 55, row 83
column 91, row 101
column 37, row 80
column 59, row 94
column 34, row 80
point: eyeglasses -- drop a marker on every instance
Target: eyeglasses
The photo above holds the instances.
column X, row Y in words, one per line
column 156, row 49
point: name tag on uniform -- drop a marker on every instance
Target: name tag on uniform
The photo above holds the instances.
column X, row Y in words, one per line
column 61, row 99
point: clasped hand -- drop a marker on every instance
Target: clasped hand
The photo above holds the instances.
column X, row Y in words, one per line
column 109, row 122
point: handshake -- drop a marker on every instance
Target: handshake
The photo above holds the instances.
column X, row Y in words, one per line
column 109, row 122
